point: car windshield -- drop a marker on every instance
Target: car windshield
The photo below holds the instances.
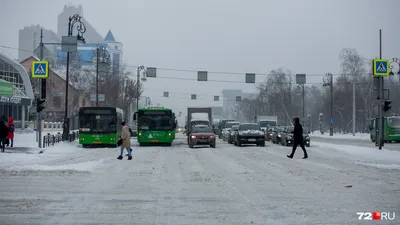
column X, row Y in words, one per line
column 229, row 125
column 249, row 127
column 98, row 123
column 201, row 130
column 199, row 122
column 267, row 123
column 290, row 129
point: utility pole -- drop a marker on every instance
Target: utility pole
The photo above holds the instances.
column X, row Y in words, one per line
column 354, row 107
column 39, row 119
column 381, row 99
column 97, row 76
column 331, row 122
column 304, row 114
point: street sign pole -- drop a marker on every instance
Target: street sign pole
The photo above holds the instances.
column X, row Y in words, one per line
column 380, row 69
column 38, row 114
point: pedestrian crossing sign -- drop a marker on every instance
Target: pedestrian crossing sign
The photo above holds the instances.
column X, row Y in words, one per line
column 40, row 69
column 381, row 67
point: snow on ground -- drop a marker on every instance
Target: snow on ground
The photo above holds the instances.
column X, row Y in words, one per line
column 179, row 185
column 358, row 136
column 364, row 152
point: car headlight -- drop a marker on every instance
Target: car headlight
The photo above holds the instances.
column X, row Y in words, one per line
column 279, row 135
column 193, row 136
column 270, row 134
column 212, row 136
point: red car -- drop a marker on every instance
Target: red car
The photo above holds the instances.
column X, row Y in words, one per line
column 202, row 135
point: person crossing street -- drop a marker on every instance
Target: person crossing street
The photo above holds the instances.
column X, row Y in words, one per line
column 298, row 138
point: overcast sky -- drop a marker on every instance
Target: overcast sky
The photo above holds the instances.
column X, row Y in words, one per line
column 238, row 36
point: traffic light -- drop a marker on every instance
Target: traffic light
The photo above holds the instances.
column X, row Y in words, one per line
column 40, row 104
column 387, row 106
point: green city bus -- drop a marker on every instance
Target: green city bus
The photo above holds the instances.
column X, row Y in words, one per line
column 156, row 125
column 99, row 126
column 392, row 129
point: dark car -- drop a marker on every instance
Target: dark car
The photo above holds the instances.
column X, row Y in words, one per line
column 249, row 133
column 202, row 135
column 232, row 133
column 269, row 133
column 287, row 137
column 277, row 134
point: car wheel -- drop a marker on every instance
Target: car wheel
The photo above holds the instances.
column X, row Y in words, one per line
column 239, row 143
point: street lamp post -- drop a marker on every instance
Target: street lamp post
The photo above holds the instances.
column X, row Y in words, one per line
column 102, row 56
column 81, row 29
column 328, row 81
column 144, row 79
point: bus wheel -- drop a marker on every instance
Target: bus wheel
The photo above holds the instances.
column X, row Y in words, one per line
column 84, row 146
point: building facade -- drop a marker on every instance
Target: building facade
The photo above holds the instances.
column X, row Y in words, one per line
column 29, row 40
column 115, row 50
column 55, row 95
column 16, row 94
column 229, row 104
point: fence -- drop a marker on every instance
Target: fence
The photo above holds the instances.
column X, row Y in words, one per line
column 52, row 139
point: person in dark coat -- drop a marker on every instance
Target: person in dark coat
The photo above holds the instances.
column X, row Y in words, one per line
column 298, row 138
column 3, row 135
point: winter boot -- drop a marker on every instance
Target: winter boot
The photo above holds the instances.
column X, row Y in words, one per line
column 120, row 157
column 129, row 157
column 289, row 156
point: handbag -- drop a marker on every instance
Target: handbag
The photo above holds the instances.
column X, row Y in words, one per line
column 119, row 143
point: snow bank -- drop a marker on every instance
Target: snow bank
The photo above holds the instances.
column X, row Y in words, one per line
column 366, row 152
column 60, row 150
column 76, row 167
column 358, row 136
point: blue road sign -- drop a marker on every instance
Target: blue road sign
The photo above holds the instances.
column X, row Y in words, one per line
column 40, row 69
column 331, row 120
column 381, row 67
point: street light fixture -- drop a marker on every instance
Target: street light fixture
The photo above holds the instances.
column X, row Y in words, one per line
column 81, row 29
column 328, row 81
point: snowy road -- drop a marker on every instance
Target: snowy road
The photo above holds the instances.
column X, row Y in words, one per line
column 178, row 185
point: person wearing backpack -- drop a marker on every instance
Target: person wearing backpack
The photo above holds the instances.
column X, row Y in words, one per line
column 11, row 128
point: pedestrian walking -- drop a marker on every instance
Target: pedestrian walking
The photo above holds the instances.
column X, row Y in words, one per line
column 126, row 141
column 3, row 135
column 298, row 138
column 11, row 128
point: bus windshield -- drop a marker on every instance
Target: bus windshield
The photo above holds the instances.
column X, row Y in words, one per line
column 394, row 122
column 98, row 123
column 155, row 120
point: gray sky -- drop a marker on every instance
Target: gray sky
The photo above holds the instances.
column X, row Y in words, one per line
column 304, row 36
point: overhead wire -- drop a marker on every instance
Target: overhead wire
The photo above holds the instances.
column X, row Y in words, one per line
column 174, row 69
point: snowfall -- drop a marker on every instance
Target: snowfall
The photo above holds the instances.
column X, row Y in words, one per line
column 229, row 185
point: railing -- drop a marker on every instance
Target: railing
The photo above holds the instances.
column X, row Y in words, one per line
column 52, row 139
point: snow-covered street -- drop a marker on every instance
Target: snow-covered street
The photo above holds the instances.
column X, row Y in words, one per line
column 178, row 185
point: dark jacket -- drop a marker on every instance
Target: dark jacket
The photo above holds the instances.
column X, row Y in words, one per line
column 3, row 129
column 298, row 131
